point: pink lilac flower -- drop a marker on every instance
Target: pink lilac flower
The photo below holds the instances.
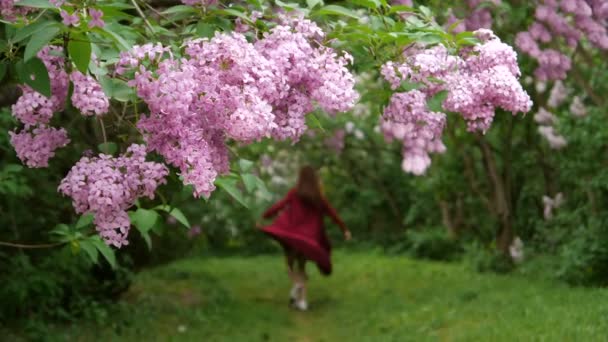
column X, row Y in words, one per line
column 570, row 20
column 35, row 146
column 555, row 140
column 558, row 94
column 107, row 187
column 194, row 231
column 407, row 119
column 551, row 204
column 57, row 3
column 477, row 82
column 96, row 20
column 228, row 88
column 88, row 97
column 10, row 12
column 34, row 108
column 545, row 117
column 577, row 107
column 70, row 19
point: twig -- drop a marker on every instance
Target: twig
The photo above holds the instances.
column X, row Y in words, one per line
column 103, row 130
column 28, row 246
column 143, row 16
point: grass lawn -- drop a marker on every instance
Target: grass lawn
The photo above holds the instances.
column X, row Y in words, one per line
column 370, row 297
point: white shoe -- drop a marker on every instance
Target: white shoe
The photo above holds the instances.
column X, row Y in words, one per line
column 301, row 305
column 295, row 290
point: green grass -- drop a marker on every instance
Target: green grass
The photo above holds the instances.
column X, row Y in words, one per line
column 370, row 297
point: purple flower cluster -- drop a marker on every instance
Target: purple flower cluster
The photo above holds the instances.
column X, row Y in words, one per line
column 88, row 97
column 480, row 17
column 107, row 187
column 228, row 88
column 547, row 122
column 36, row 145
column 477, row 81
column 487, row 79
column 35, row 111
column 407, row 119
column 10, row 12
column 568, row 20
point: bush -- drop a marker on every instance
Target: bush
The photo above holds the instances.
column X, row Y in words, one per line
column 434, row 244
column 58, row 286
column 584, row 258
column 487, row 259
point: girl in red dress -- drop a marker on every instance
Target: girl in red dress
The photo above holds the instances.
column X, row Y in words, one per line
column 299, row 229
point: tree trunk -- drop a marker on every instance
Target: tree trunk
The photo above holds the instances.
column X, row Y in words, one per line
column 504, row 234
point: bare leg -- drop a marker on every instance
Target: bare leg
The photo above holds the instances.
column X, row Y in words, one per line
column 302, row 278
column 290, row 258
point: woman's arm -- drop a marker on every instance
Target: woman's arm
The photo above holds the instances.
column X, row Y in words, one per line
column 272, row 211
column 334, row 216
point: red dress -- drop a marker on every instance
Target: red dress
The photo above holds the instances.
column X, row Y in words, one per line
column 300, row 227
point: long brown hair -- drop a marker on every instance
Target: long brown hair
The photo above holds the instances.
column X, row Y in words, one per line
column 309, row 187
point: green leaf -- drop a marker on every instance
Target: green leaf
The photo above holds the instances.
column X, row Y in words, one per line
column 229, row 185
column 435, row 103
column 401, row 8
column 79, row 50
column 178, row 214
column 37, row 70
column 35, row 3
column 90, row 250
column 235, row 13
column 259, row 183
column 313, row 3
column 84, row 221
column 407, row 86
column 121, row 42
column 144, row 219
column 425, row 11
column 371, row 4
column 39, row 41
column 108, row 148
column 455, row 24
column 180, row 9
column 315, row 120
column 287, row 5
column 32, row 29
column 105, row 250
column 245, row 165
column 121, row 90
column 147, row 239
column 61, row 229
column 337, row 10
column 249, row 181
column 205, row 30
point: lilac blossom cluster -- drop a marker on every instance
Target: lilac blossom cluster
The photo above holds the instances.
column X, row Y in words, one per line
column 547, row 121
column 408, row 120
column 36, row 143
column 480, row 17
column 88, row 97
column 477, row 81
column 567, row 20
column 10, row 12
column 106, row 187
column 71, row 16
column 228, row 88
